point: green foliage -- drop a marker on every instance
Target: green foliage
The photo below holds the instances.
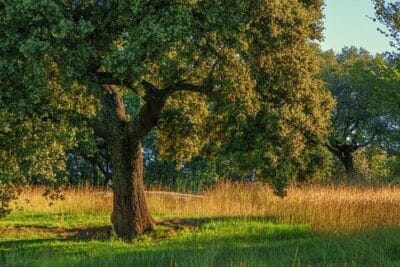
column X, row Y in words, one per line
column 352, row 79
column 293, row 118
column 42, row 110
column 183, row 128
column 366, row 113
column 376, row 166
column 260, row 105
column 195, row 175
column 290, row 109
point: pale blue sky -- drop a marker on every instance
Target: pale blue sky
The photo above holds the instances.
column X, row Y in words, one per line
column 347, row 24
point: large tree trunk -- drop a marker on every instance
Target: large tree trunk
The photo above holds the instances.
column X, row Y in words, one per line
column 130, row 216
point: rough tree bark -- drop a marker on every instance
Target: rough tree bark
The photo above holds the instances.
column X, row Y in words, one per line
column 131, row 216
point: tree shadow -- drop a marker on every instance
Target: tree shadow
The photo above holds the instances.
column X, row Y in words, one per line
column 104, row 233
column 91, row 233
column 154, row 249
column 259, row 249
column 201, row 248
column 101, row 233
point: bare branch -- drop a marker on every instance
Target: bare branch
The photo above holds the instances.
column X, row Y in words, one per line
column 152, row 92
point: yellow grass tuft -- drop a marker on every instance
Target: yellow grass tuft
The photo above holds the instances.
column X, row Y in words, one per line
column 325, row 208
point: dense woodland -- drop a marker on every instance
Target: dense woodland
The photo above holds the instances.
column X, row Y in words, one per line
column 183, row 94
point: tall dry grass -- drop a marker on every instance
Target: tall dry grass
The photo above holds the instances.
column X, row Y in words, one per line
column 325, row 208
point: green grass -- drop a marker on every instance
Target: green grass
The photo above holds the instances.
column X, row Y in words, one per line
column 54, row 220
column 33, row 239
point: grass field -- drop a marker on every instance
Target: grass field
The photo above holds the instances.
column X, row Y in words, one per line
column 229, row 225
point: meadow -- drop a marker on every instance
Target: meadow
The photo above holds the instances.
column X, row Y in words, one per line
column 231, row 224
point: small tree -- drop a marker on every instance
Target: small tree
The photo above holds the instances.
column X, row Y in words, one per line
column 363, row 86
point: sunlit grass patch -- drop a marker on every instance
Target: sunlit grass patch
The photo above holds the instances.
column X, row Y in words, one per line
column 54, row 220
column 229, row 225
column 324, row 208
column 209, row 238
column 207, row 242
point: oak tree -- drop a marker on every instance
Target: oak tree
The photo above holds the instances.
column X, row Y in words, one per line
column 199, row 68
column 366, row 113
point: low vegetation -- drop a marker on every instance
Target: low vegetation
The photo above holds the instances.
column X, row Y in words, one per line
column 232, row 224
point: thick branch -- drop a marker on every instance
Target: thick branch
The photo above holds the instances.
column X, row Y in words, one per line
column 156, row 94
column 152, row 92
column 155, row 99
column 109, row 79
column 149, row 113
column 113, row 117
column 338, row 149
column 113, row 100
column 332, row 148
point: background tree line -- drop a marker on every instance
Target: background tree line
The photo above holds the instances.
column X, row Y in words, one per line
column 362, row 146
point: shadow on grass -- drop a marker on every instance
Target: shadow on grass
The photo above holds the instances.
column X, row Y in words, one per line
column 104, row 233
column 214, row 241
column 101, row 233
column 264, row 254
column 98, row 233
column 370, row 248
column 173, row 238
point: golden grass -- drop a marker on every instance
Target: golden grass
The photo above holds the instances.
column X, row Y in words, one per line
column 325, row 208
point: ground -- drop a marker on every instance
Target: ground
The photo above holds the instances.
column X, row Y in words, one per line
column 68, row 234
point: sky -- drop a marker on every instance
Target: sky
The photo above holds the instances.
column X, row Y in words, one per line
column 347, row 24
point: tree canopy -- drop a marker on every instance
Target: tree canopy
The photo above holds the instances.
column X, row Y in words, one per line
column 237, row 76
column 364, row 87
